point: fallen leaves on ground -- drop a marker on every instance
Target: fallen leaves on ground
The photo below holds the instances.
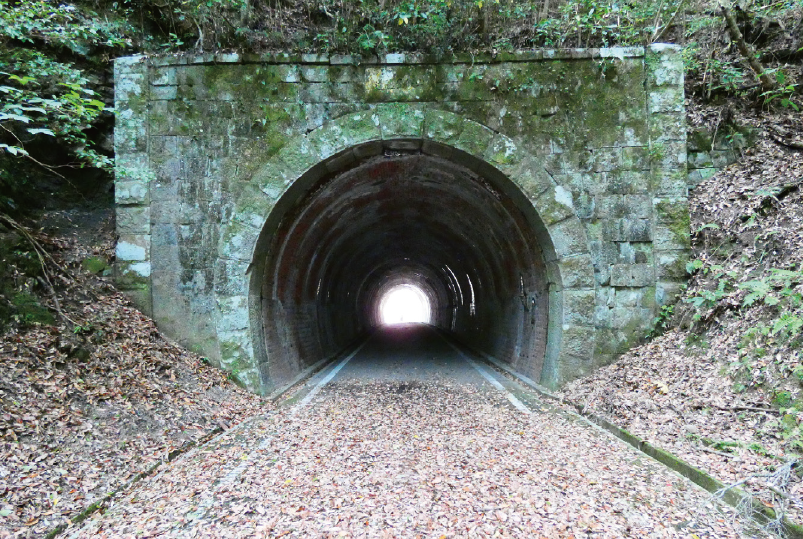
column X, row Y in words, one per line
column 85, row 409
column 401, row 459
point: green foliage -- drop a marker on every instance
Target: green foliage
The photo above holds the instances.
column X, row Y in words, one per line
column 44, row 98
column 708, row 298
column 375, row 26
column 661, row 322
column 784, row 93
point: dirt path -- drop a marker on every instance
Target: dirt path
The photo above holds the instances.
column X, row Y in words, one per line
column 409, row 439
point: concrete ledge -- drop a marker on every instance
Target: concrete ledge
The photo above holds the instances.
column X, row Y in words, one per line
column 316, row 367
column 619, row 53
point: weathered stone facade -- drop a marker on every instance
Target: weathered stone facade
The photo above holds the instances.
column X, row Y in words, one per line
column 593, row 142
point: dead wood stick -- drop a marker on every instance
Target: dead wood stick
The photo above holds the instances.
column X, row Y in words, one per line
column 49, row 287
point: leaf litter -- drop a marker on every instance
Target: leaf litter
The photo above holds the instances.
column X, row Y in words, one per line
column 423, row 459
column 84, row 409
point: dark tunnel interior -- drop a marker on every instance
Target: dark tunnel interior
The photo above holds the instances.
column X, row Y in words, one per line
column 393, row 214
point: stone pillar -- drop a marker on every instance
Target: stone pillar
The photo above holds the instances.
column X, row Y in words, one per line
column 132, row 181
column 667, row 127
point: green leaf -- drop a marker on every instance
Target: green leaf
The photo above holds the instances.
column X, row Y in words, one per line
column 41, row 130
column 15, row 117
column 13, row 150
column 22, row 80
column 757, row 290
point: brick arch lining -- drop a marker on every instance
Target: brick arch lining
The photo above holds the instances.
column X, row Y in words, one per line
column 285, row 179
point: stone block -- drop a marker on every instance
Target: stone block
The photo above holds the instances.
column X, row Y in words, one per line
column 133, row 219
column 131, row 192
column 601, row 160
column 665, row 99
column 443, row 127
column 554, row 205
column 664, row 65
column 129, row 87
column 722, row 158
column 637, row 206
column 165, row 76
column 232, row 313
column 628, row 297
column 576, row 271
column 628, row 182
column 140, row 297
column 231, row 277
column 313, row 73
column 674, row 236
column 132, row 274
column 474, row 139
column 503, row 153
column 401, row 120
column 627, row 229
column 610, row 206
column 669, row 155
column 632, row 275
column 671, row 211
column 578, row 307
column 604, row 253
column 344, row 133
column 700, row 160
column 671, row 265
column 667, row 127
column 239, row 241
column 129, row 64
column 584, row 205
column 635, row 158
column 578, row 341
column 568, row 238
column 667, row 292
column 669, row 183
column 164, row 93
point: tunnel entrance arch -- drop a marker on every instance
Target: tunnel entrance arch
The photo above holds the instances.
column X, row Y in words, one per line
column 503, row 248
column 581, row 153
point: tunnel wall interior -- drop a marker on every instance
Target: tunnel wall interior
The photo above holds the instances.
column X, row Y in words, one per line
column 400, row 217
column 266, row 201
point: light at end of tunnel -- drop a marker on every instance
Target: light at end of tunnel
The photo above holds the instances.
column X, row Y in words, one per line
column 404, row 304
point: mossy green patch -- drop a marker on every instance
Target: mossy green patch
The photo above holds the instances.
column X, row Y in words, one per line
column 94, row 264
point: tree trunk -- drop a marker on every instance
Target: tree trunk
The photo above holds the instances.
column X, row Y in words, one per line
column 746, row 50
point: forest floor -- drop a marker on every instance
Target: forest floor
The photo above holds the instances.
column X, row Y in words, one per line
column 87, row 406
column 715, row 390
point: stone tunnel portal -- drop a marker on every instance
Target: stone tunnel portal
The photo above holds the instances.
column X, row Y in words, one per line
column 538, row 199
column 397, row 215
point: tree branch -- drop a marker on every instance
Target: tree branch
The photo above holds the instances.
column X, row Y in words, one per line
column 746, row 50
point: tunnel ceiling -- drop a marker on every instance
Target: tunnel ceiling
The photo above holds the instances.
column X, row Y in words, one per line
column 402, row 217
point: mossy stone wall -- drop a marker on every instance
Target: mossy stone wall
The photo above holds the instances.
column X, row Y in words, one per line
column 604, row 127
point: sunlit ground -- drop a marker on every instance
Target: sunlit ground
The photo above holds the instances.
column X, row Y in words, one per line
column 404, row 304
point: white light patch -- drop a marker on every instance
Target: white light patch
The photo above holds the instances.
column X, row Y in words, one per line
column 404, row 304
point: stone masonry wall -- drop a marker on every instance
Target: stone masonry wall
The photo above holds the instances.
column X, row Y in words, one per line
column 607, row 125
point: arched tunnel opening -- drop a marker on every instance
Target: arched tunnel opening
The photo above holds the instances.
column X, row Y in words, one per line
column 400, row 216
